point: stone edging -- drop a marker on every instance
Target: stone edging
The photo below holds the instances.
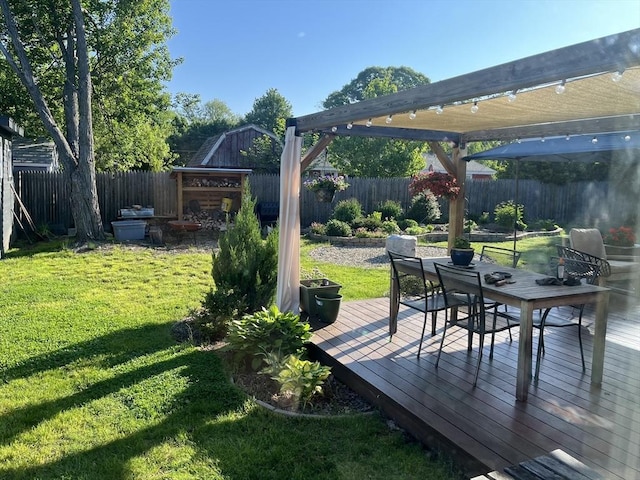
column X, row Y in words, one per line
column 429, row 237
column 289, row 413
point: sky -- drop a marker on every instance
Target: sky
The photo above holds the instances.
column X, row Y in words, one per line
column 236, row 50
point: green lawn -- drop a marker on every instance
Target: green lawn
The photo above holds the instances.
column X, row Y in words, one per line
column 93, row 386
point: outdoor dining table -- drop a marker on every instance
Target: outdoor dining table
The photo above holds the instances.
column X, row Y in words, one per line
column 528, row 296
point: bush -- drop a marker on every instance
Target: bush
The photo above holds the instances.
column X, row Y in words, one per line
column 371, row 222
column 470, row 226
column 267, row 331
column 424, row 208
column 347, row 210
column 338, row 228
column 407, row 223
column 317, row 228
column 544, row 225
column 505, row 215
column 245, row 268
column 390, row 227
column 301, row 377
column 417, row 230
column 390, row 209
column 217, row 309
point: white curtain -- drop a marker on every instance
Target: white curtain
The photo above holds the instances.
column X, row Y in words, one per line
column 288, row 292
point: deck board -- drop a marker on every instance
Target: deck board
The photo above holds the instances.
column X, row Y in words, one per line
column 486, row 425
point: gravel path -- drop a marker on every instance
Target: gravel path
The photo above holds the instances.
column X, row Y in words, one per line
column 368, row 257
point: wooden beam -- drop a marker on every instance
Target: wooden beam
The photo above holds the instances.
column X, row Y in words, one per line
column 394, row 133
column 574, row 127
column 456, row 206
column 314, row 151
column 439, row 152
column 613, row 53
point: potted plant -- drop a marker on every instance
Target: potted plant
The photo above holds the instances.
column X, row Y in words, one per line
column 314, row 283
column 326, row 186
column 620, row 241
column 462, row 252
column 323, row 287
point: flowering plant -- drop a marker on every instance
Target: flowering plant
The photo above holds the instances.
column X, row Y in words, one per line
column 439, row 183
column 622, row 237
column 326, row 182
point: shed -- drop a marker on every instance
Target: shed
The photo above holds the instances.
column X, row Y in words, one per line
column 8, row 129
column 225, row 150
column 39, row 154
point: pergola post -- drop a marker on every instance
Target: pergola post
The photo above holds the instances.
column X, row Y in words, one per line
column 457, row 206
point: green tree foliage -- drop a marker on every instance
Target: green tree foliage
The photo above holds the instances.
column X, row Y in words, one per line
column 245, row 267
column 128, row 62
column 270, row 112
column 372, row 157
column 402, row 78
column 264, row 155
column 194, row 122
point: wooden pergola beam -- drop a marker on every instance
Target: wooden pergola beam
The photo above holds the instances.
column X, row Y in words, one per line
column 314, row 151
column 615, row 52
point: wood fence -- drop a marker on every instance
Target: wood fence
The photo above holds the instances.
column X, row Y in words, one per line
column 582, row 203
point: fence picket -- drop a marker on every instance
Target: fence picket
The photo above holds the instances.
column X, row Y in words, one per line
column 47, row 200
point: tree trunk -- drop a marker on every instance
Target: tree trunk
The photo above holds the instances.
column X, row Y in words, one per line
column 76, row 148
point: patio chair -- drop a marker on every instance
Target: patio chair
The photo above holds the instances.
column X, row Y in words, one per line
column 588, row 241
column 417, row 293
column 577, row 269
column 463, row 288
column 500, row 256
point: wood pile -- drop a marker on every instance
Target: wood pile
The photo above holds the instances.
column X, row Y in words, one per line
column 215, row 220
column 212, row 182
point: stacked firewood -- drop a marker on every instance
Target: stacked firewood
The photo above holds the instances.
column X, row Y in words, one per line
column 209, row 220
column 211, row 182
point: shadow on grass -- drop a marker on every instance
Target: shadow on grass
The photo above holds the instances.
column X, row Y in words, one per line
column 115, row 348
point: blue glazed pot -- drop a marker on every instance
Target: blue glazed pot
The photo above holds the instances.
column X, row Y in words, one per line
column 461, row 256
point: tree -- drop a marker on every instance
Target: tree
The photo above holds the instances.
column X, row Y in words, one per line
column 193, row 123
column 128, row 61
column 56, row 48
column 270, row 112
column 67, row 36
column 402, row 78
column 374, row 157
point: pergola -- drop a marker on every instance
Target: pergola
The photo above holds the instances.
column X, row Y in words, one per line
column 588, row 88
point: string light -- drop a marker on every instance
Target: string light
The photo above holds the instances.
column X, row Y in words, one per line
column 627, row 138
column 567, row 137
column 594, row 140
column 542, row 139
column 439, row 110
column 389, row 119
column 412, row 115
column 334, row 129
column 616, row 76
column 349, row 125
column 512, row 96
column 369, row 123
column 474, row 108
column 518, row 140
column 560, row 88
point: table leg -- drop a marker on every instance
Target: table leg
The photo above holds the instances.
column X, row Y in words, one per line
column 523, row 375
column 599, row 334
column 394, row 305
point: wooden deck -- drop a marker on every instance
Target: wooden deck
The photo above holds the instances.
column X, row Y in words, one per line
column 485, row 428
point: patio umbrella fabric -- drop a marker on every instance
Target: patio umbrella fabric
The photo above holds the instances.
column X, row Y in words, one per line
column 584, row 148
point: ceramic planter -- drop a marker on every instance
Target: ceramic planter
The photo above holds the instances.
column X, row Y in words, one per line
column 462, row 256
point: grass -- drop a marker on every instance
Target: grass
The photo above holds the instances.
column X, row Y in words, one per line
column 93, row 385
